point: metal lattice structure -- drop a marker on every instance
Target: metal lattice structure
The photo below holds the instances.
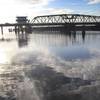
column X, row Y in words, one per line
column 65, row 18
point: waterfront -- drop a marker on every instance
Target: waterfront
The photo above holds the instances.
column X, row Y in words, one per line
column 50, row 65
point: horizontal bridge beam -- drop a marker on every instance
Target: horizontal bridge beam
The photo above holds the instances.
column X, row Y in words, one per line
column 68, row 15
column 44, row 24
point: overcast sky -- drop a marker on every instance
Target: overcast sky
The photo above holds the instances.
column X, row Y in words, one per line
column 9, row 9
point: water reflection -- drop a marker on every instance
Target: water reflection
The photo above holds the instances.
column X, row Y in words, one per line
column 45, row 84
column 68, row 46
column 50, row 66
column 52, row 84
column 6, row 40
column 22, row 39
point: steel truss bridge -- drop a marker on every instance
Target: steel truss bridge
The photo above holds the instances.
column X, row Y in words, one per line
column 60, row 21
column 66, row 19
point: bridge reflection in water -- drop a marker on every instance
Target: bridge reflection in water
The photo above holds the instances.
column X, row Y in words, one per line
column 51, row 38
column 55, row 37
column 28, row 78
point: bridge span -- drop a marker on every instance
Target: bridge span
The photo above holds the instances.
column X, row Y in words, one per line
column 66, row 21
column 66, row 18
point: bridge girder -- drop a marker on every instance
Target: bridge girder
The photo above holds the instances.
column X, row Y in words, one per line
column 65, row 18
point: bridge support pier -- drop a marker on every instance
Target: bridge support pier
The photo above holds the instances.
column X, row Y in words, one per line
column 83, row 34
column 16, row 30
column 2, row 30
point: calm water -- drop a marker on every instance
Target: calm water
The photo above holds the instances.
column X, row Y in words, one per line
column 50, row 66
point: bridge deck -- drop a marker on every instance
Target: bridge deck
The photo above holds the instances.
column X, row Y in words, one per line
column 41, row 24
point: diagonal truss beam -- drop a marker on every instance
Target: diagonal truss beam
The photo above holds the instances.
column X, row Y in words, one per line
column 65, row 18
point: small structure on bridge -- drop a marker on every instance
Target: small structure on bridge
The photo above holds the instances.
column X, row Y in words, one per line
column 22, row 19
column 23, row 24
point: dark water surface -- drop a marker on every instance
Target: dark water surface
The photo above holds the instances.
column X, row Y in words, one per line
column 50, row 66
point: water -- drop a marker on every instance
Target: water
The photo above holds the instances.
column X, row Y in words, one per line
column 50, row 66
